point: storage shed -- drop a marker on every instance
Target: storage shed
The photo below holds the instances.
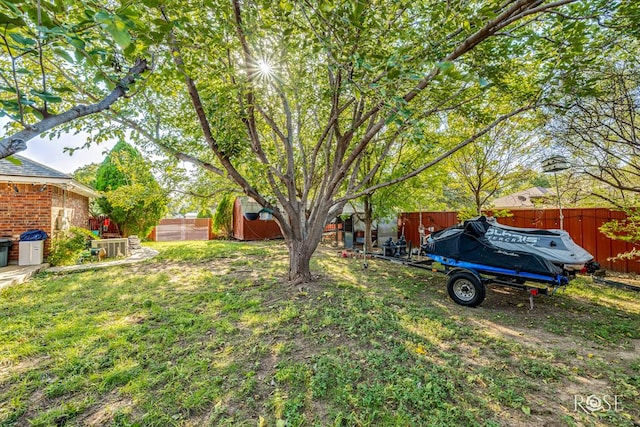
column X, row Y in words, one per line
column 250, row 224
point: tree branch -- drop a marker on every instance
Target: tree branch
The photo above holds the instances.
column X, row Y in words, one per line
column 519, row 8
column 18, row 141
column 196, row 101
column 166, row 148
column 439, row 158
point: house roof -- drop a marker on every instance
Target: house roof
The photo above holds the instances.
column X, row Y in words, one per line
column 522, row 199
column 29, row 168
column 30, row 171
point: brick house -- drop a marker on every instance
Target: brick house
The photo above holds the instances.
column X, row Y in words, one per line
column 34, row 196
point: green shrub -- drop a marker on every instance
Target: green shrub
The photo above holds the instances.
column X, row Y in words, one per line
column 223, row 218
column 67, row 246
column 205, row 213
column 467, row 213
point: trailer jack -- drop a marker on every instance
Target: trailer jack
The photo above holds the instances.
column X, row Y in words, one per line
column 532, row 293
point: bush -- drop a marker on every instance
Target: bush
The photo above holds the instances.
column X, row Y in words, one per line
column 67, row 246
column 223, row 218
column 205, row 213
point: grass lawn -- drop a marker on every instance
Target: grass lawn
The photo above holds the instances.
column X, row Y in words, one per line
column 209, row 333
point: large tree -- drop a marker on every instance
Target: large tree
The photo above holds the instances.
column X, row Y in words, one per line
column 287, row 99
column 131, row 195
column 601, row 129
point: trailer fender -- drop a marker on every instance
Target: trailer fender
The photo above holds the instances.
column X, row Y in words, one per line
column 464, row 270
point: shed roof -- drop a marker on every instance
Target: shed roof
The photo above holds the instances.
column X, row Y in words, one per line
column 30, row 171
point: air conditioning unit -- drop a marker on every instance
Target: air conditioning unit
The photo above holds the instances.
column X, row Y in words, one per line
column 114, row 247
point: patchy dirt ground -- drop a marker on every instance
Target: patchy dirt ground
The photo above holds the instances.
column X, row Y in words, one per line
column 224, row 340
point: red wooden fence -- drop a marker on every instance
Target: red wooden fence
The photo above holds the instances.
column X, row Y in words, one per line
column 582, row 224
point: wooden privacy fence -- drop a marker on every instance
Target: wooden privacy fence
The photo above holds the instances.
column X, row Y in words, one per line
column 581, row 224
column 176, row 229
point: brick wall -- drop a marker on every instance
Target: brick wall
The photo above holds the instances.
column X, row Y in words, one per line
column 34, row 206
column 75, row 206
column 22, row 210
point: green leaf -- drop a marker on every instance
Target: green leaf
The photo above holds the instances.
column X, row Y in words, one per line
column 11, row 6
column 326, row 6
column 357, row 6
column 14, row 160
column 286, row 6
column 446, row 66
column 26, row 101
column 76, row 42
column 103, row 17
column 483, row 82
column 46, row 96
column 119, row 23
column 7, row 89
column 394, row 73
column 130, row 49
column 10, row 105
column 10, row 22
column 63, row 89
column 37, row 113
column 526, row 410
column 77, row 54
column 20, row 39
column 121, row 36
column 64, row 55
column 56, row 30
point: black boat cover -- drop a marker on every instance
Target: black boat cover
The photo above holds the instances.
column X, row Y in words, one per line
column 486, row 242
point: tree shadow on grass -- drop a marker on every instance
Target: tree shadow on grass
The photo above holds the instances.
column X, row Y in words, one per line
column 383, row 346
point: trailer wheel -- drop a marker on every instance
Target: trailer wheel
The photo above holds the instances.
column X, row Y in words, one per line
column 466, row 289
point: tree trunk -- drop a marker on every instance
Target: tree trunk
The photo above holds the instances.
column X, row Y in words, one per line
column 299, row 260
column 368, row 222
column 303, row 235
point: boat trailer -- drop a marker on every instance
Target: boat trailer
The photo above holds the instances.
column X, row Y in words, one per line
column 467, row 281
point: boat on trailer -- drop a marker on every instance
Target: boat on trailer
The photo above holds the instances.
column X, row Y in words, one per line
column 480, row 252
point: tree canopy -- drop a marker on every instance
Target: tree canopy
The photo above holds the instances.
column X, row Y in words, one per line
column 291, row 100
column 131, row 195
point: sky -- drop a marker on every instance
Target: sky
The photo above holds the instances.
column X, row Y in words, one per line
column 51, row 152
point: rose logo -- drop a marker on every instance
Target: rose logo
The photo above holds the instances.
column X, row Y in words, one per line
column 594, row 403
